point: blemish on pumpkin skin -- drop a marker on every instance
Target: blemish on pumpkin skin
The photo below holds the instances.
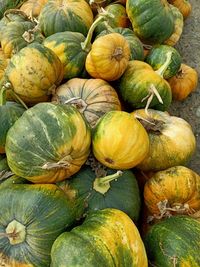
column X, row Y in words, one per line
column 109, row 160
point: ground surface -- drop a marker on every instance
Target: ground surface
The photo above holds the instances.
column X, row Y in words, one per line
column 189, row 48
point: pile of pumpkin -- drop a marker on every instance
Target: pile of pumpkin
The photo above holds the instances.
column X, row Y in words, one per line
column 92, row 166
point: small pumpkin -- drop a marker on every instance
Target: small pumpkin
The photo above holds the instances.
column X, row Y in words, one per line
column 119, row 141
column 184, row 82
column 108, row 57
column 92, row 97
column 183, row 5
column 51, row 141
column 33, row 8
column 157, row 56
column 65, row 15
column 174, row 190
column 107, row 238
column 174, row 242
column 172, row 141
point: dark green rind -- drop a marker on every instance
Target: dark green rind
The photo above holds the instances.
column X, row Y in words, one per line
column 74, row 63
column 136, row 47
column 5, row 171
column 174, row 239
column 157, row 57
column 8, row 4
column 14, row 179
column 123, row 193
column 45, row 212
column 152, row 21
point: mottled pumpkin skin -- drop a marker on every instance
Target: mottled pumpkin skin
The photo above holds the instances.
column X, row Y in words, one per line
column 108, row 57
column 174, row 242
column 107, row 238
column 7, row 4
column 9, row 113
column 34, row 72
column 33, row 7
column 62, row 15
column 183, row 5
column 17, row 35
column 172, row 141
column 51, row 143
column 120, row 141
column 184, row 82
column 178, row 185
column 158, row 55
column 92, row 97
column 135, row 84
column 45, row 212
column 134, row 42
column 3, row 63
column 146, row 17
column 67, row 46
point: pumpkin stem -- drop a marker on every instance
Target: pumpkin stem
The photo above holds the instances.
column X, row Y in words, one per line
column 102, row 185
column 18, row 98
column 15, row 11
column 64, row 163
column 163, row 68
column 86, row 45
column 3, row 96
column 78, row 103
column 16, row 232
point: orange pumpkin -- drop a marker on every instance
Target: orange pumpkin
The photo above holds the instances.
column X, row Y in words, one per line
column 175, row 190
column 33, row 7
column 184, row 82
column 183, row 5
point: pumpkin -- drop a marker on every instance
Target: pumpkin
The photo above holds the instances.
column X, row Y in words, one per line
column 119, row 141
column 4, row 169
column 57, row 143
column 183, row 5
column 7, row 4
column 178, row 27
column 174, row 190
column 146, row 17
column 33, row 8
column 140, row 86
column 134, row 42
column 3, row 63
column 31, row 218
column 174, row 242
column 65, row 15
column 157, row 56
column 33, row 73
column 99, row 188
column 18, row 35
column 172, row 141
column 107, row 238
column 108, row 57
column 92, row 97
column 118, row 18
column 184, row 82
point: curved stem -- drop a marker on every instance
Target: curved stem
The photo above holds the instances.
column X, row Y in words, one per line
column 18, row 98
column 15, row 11
column 3, row 96
column 163, row 68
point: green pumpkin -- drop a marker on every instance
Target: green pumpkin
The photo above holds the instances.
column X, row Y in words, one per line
column 174, row 242
column 12, row 180
column 65, row 15
column 152, row 21
column 136, row 47
column 106, row 191
column 107, row 238
column 51, row 141
column 7, row 4
column 31, row 218
column 157, row 57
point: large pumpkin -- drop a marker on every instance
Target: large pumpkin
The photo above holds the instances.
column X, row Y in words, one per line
column 92, row 97
column 33, row 73
column 172, row 141
column 31, row 218
column 120, row 141
column 174, row 242
column 33, row 8
column 51, row 143
column 174, row 190
column 152, row 21
column 65, row 15
column 107, row 238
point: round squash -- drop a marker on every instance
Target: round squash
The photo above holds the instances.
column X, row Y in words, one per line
column 120, row 141
column 33, row 8
column 92, row 97
column 174, row 190
column 51, row 143
column 184, row 82
column 33, row 73
column 172, row 141
column 174, row 242
column 108, row 57
column 183, row 5
column 65, row 15
column 146, row 17
column 157, row 56
column 31, row 218
column 107, row 238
